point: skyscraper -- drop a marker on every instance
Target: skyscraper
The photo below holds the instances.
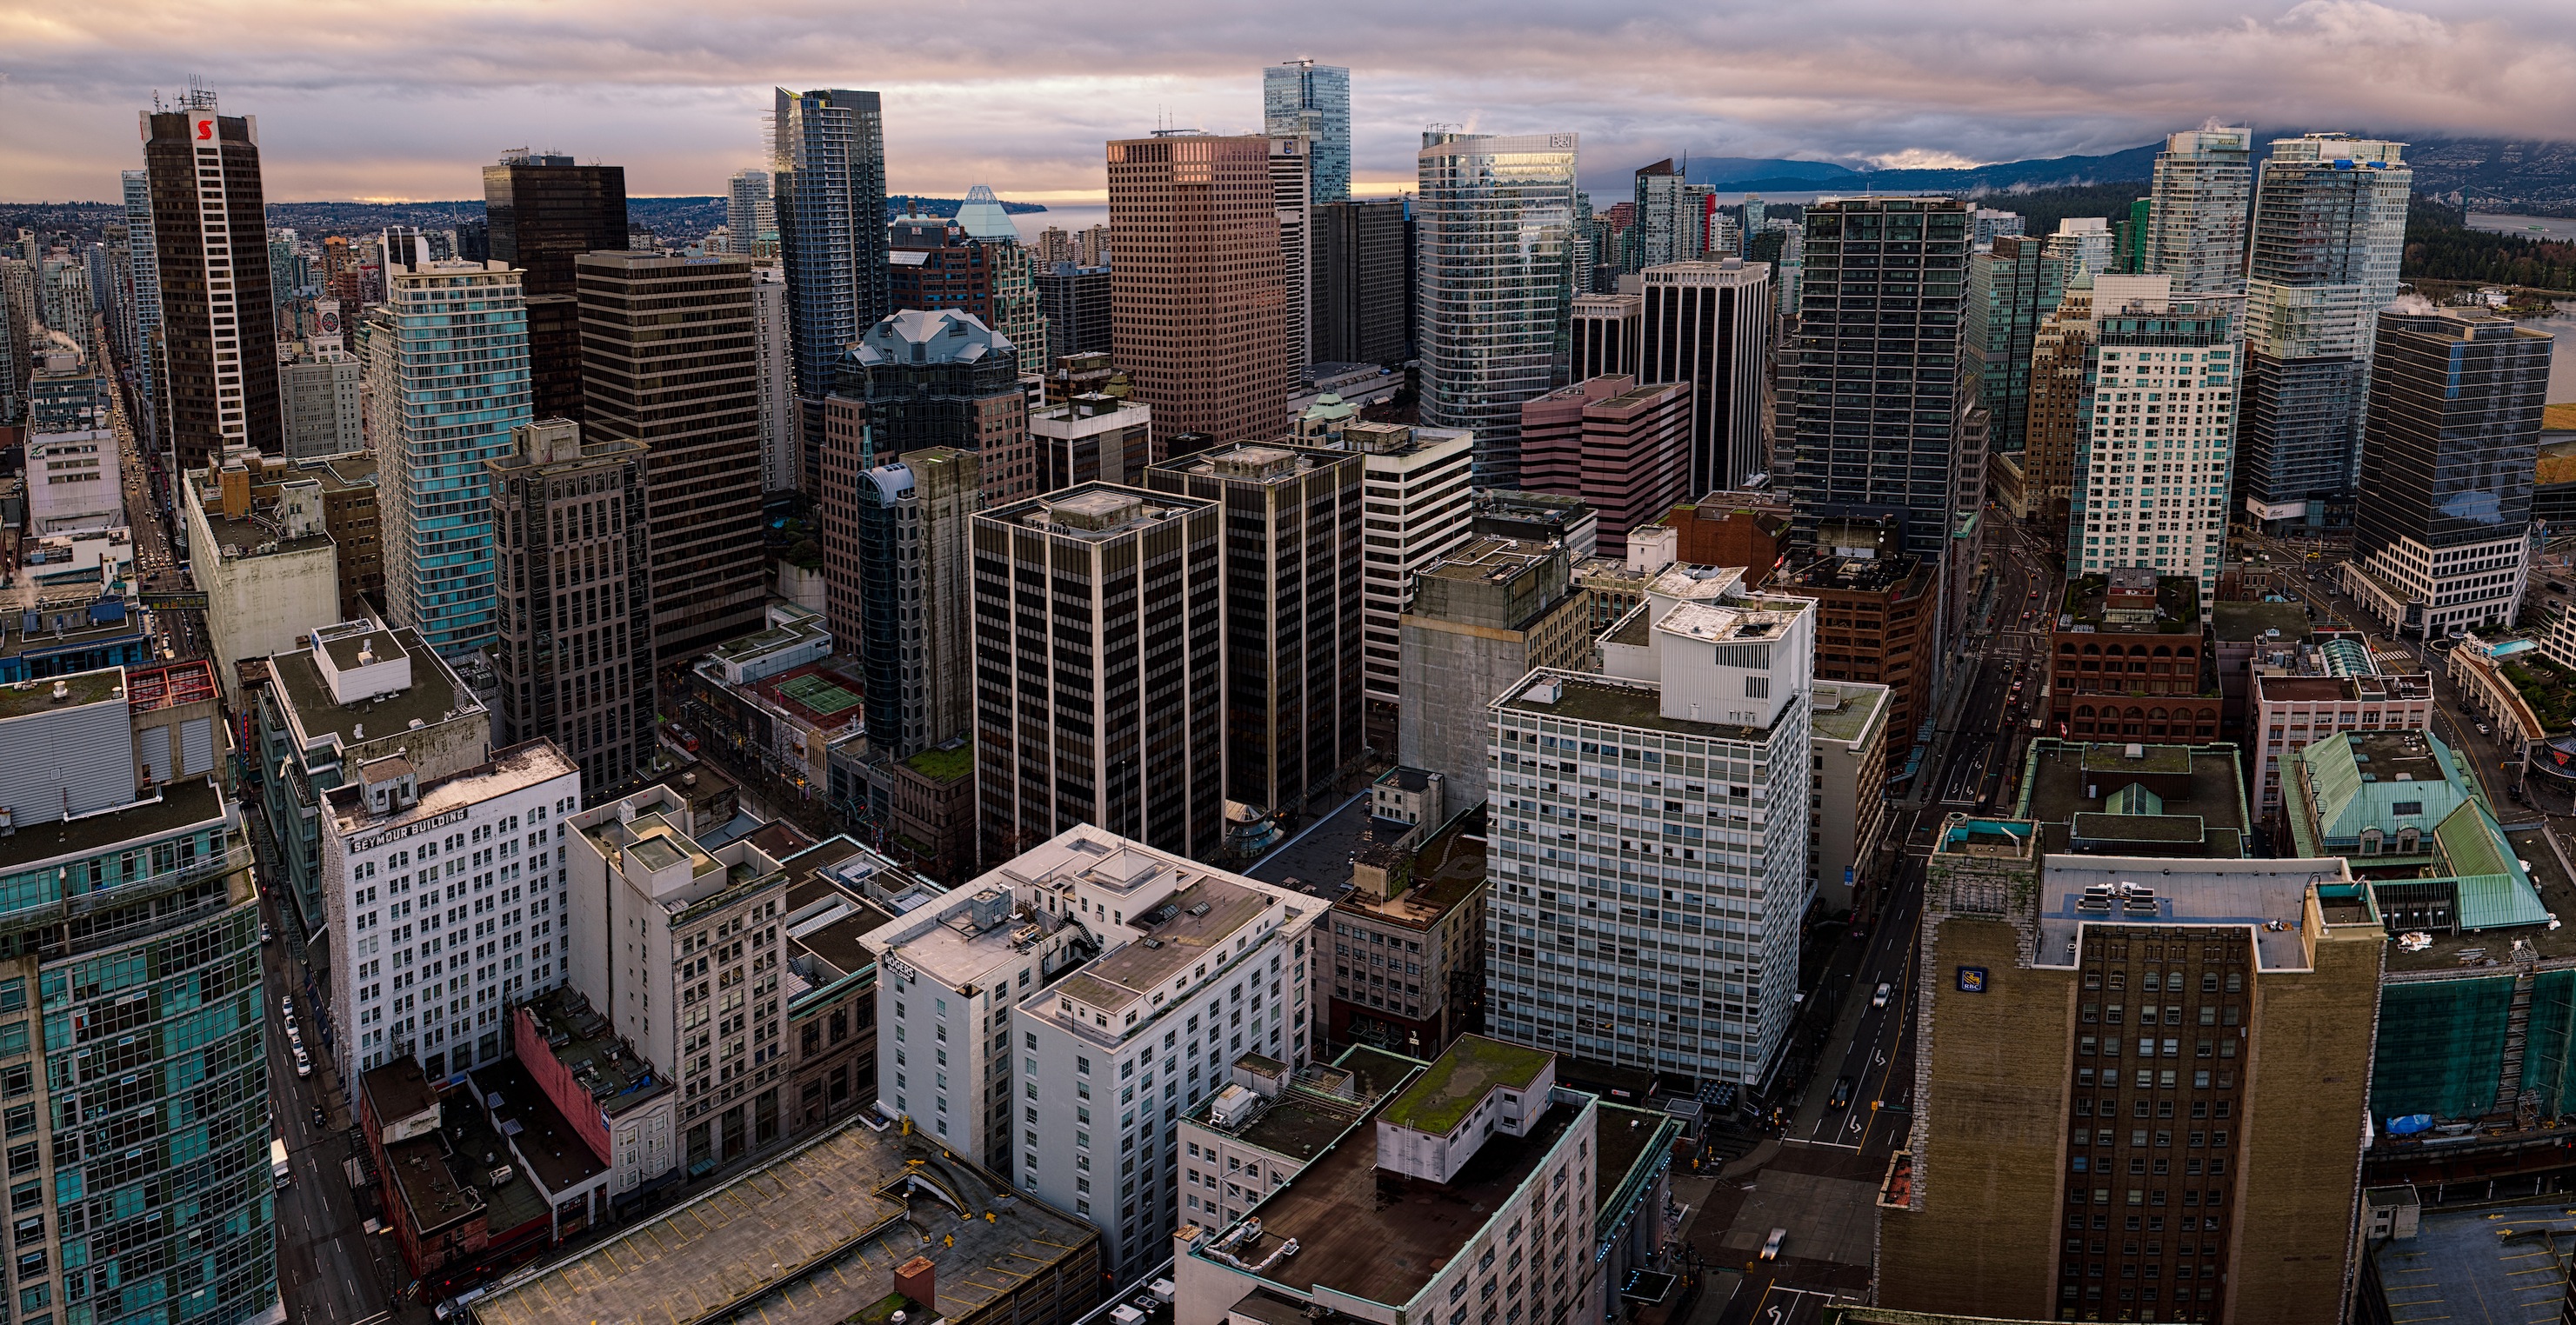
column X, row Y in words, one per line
column 1293, row 597
column 1198, row 298
column 827, row 161
column 447, row 379
column 1494, row 252
column 1010, row 269
column 751, row 219
column 210, row 248
column 1670, row 224
column 1291, row 196
column 2012, row 288
column 2329, row 228
column 575, row 653
column 1609, row 331
column 1707, row 324
column 668, row 358
column 1358, row 283
column 136, row 910
column 1888, row 448
column 1303, row 97
column 914, row 518
column 2444, row 539
column 148, row 333
column 1111, row 714
column 545, row 211
column 1076, row 301
column 2196, row 211
column 2150, row 479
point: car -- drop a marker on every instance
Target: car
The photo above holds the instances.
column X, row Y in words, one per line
column 1879, row 999
column 2482, row 729
column 1842, row 1093
column 266, row 935
column 320, row 1119
column 303, row 1064
column 1771, row 1244
column 286, row 1004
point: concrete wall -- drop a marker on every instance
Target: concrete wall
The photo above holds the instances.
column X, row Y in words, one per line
column 1982, row 1240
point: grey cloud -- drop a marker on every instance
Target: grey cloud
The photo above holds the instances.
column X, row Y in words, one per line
column 410, row 100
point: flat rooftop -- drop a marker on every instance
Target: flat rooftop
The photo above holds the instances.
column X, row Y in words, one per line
column 589, row 1047
column 509, row 768
column 840, row 919
column 1298, row 1124
column 433, row 696
column 809, row 1238
column 2488, row 948
column 561, row 1160
column 1584, row 698
column 418, row 1169
column 1195, row 921
column 2251, row 893
column 1843, row 710
column 2177, row 606
column 2067, row 779
column 1381, row 1236
column 2253, row 621
column 19, row 698
column 183, row 804
column 1472, row 1067
column 2491, row 1265
column 1447, row 870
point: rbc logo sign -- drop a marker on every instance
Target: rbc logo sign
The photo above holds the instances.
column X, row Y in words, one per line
column 1972, row 979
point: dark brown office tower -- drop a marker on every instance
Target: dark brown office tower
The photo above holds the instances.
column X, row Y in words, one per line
column 210, row 227
column 574, row 652
column 668, row 360
column 1359, row 279
column 543, row 212
column 1198, row 294
column 1293, row 598
column 2142, row 1074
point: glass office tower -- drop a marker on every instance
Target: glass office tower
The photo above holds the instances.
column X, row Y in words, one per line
column 1303, row 97
column 1494, row 257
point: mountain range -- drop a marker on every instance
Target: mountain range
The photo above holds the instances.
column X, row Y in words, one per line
column 2487, row 173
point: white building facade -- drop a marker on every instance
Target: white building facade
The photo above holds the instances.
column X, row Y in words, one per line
column 2154, row 466
column 1650, row 834
column 1419, row 509
column 445, row 903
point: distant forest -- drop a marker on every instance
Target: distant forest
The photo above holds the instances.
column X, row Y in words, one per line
column 2042, row 209
column 2440, row 246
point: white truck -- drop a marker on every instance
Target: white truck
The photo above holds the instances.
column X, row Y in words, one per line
column 278, row 1175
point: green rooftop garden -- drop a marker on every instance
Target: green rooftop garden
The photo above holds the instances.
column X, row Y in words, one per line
column 1440, row 1098
column 2546, row 688
column 944, row 765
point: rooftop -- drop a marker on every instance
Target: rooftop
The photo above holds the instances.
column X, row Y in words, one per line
column 1192, row 923
column 432, row 698
column 185, row 804
column 2488, row 1265
column 508, row 769
column 561, row 1160
column 827, row 921
column 2251, row 621
column 1846, row 710
column 809, row 1238
column 2257, row 894
column 1381, row 1236
column 1471, row 1067
column 1585, row 698
column 589, row 1047
column 417, row 1168
column 2089, row 602
column 1096, row 511
column 2065, row 780
column 945, row 763
column 19, row 698
column 1860, row 574
column 1447, row 869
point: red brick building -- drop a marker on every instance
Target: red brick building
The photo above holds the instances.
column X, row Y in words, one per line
column 1623, row 448
column 2130, row 660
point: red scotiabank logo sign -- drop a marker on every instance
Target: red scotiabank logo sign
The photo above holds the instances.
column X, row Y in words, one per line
column 205, row 128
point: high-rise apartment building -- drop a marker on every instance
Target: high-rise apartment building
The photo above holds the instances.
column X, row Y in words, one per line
column 1892, row 446
column 751, row 218
column 1707, row 326
column 1198, row 297
column 1622, row 448
column 773, row 356
column 2196, row 211
column 2444, row 541
column 1291, row 575
column 1098, row 676
column 1292, row 198
column 446, row 379
column 2060, row 414
column 136, row 911
column 2329, row 229
column 827, row 163
column 2151, row 474
column 318, row 391
column 1313, row 100
column 913, row 518
column 149, row 370
column 917, row 380
column 1706, row 690
column 2013, row 287
column 1011, row 269
column 2085, row 1170
column 1126, row 978
column 210, row 248
column 1494, row 258
column 574, row 656
column 1608, row 333
column 544, row 212
column 1671, row 221
column 668, row 361
column 1361, row 283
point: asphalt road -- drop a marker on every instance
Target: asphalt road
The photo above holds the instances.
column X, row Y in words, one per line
column 329, row 1269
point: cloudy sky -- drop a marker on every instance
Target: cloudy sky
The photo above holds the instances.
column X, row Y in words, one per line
column 406, row 101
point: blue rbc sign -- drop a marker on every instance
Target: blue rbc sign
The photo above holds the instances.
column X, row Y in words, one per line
column 1972, row 979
